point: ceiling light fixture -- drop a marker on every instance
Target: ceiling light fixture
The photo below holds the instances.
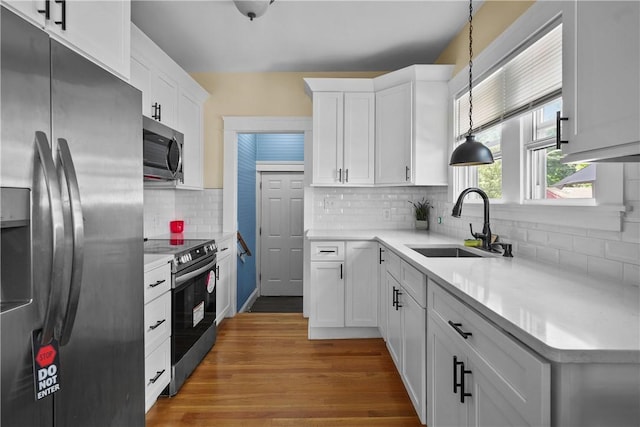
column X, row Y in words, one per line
column 471, row 152
column 253, row 8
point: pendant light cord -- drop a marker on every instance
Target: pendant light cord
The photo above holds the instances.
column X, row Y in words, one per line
column 470, row 66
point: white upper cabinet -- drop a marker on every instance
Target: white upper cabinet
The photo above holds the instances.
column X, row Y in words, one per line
column 172, row 97
column 100, row 30
column 601, row 83
column 411, row 126
column 393, row 135
column 343, row 131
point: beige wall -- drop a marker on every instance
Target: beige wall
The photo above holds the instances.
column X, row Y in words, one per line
column 493, row 17
column 250, row 94
column 282, row 94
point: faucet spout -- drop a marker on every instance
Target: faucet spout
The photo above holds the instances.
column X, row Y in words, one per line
column 485, row 236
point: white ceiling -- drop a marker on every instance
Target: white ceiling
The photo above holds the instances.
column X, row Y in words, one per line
column 302, row 35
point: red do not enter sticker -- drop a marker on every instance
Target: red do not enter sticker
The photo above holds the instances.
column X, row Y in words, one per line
column 46, row 355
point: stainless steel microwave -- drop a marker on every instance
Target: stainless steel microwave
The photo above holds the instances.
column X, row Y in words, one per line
column 162, row 152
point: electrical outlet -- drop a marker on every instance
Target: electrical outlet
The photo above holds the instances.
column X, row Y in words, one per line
column 329, row 203
column 439, row 220
column 386, row 214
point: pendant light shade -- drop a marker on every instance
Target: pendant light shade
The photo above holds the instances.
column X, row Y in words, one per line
column 252, row 8
column 471, row 153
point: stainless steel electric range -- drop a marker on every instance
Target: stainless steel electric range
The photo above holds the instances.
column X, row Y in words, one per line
column 193, row 302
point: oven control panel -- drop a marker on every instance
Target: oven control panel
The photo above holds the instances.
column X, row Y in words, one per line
column 196, row 253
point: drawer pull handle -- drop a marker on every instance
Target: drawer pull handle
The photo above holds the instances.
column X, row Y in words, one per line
column 158, row 283
column 380, row 258
column 158, row 375
column 462, row 333
column 158, row 323
column 324, row 251
column 223, row 249
column 396, row 300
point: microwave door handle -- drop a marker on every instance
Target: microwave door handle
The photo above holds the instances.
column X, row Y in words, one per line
column 77, row 223
column 57, row 235
column 192, row 274
column 179, row 156
column 179, row 165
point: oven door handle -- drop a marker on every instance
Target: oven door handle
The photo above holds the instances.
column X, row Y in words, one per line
column 181, row 279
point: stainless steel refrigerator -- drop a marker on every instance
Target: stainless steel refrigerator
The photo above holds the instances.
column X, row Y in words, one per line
column 72, row 244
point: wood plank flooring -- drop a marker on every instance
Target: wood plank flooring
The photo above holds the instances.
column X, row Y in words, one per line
column 263, row 371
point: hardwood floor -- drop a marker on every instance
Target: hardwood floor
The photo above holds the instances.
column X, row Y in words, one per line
column 263, row 371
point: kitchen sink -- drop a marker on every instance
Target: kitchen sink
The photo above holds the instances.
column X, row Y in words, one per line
column 447, row 252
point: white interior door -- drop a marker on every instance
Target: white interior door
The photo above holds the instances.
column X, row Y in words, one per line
column 281, row 233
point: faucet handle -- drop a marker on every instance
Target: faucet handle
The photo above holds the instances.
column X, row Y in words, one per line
column 475, row 235
column 507, row 247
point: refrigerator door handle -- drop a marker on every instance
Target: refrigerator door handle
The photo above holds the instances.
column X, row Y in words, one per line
column 57, row 236
column 77, row 223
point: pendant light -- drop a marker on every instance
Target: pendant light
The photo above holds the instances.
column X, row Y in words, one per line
column 252, row 8
column 471, row 152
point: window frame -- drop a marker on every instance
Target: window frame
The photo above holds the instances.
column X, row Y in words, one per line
column 603, row 212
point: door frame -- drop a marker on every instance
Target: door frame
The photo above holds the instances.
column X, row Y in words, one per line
column 232, row 126
column 260, row 169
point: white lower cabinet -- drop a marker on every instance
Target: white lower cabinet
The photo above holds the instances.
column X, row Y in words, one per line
column 344, row 288
column 223, row 280
column 478, row 376
column 407, row 328
column 157, row 331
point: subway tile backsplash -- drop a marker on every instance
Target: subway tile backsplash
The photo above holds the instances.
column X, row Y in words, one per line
column 200, row 210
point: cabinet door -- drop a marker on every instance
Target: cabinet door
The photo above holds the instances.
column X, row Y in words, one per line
column 488, row 406
column 328, row 116
column 327, row 294
column 101, row 29
column 445, row 408
column 384, row 298
column 29, row 9
column 223, row 288
column 190, row 124
column 414, row 360
column 394, row 135
column 141, row 79
column 601, row 65
column 394, row 323
column 165, row 93
column 359, row 143
column 361, row 287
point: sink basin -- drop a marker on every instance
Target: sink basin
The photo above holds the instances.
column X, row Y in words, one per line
column 447, row 252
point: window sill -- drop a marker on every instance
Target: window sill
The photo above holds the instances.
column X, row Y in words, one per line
column 598, row 217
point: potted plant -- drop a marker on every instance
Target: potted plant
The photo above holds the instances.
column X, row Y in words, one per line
column 421, row 210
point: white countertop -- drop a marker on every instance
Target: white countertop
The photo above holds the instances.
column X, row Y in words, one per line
column 563, row 315
column 152, row 261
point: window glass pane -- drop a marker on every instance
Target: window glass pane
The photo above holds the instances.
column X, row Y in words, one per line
column 489, row 177
column 545, row 126
column 551, row 179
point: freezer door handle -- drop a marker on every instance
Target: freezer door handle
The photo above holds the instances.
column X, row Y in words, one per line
column 77, row 227
column 57, row 236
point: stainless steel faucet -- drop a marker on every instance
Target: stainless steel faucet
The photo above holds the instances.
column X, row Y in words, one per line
column 485, row 236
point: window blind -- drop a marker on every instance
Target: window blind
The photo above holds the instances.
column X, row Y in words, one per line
column 524, row 81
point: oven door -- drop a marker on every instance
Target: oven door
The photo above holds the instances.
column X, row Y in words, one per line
column 194, row 306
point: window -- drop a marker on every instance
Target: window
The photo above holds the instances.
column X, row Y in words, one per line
column 525, row 91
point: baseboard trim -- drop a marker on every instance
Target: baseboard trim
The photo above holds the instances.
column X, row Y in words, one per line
column 249, row 302
column 343, row 333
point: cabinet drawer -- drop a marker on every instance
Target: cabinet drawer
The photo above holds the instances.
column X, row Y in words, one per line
column 393, row 264
column 157, row 282
column 157, row 373
column 414, row 282
column 327, row 251
column 157, row 322
column 224, row 248
column 509, row 365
